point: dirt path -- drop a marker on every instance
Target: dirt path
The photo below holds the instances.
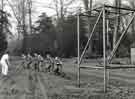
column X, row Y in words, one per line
column 20, row 85
column 28, row 84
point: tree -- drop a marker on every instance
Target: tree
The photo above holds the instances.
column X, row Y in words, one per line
column 20, row 9
column 45, row 26
column 42, row 40
column 68, row 39
column 61, row 8
column 4, row 30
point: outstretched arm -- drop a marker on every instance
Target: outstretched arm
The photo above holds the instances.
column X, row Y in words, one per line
column 7, row 61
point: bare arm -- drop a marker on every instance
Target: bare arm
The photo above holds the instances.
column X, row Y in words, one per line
column 7, row 61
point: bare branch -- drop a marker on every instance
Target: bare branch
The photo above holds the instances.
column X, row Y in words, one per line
column 69, row 2
column 50, row 7
column 17, row 18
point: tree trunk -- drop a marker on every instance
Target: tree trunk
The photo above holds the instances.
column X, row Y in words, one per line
column 23, row 26
column 117, row 22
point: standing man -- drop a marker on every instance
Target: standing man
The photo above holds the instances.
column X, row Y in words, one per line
column 50, row 66
column 5, row 63
column 40, row 62
column 58, row 65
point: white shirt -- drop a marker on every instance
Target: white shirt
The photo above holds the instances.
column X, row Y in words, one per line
column 4, row 58
column 40, row 57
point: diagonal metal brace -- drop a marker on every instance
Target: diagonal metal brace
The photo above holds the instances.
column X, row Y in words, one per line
column 120, row 39
column 90, row 37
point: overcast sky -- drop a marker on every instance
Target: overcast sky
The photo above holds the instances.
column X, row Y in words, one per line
column 40, row 6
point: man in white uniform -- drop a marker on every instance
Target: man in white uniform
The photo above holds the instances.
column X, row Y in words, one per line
column 4, row 63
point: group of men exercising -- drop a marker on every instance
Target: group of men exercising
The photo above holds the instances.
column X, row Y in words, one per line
column 39, row 63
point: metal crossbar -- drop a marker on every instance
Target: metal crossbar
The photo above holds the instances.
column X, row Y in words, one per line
column 121, row 8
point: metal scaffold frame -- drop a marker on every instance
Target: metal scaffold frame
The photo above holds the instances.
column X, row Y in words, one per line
column 106, row 61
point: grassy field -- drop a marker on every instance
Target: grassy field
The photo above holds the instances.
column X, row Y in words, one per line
column 28, row 84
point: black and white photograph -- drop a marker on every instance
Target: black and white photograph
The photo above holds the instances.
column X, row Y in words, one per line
column 67, row 49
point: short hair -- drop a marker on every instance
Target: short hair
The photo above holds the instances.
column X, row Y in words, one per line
column 7, row 51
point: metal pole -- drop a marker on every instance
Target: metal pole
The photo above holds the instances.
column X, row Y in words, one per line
column 78, row 47
column 107, row 22
column 104, row 50
column 108, row 48
column 113, row 7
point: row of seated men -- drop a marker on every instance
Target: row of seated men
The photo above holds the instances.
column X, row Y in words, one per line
column 39, row 63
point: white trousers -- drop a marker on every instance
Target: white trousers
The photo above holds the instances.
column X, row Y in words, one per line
column 4, row 68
